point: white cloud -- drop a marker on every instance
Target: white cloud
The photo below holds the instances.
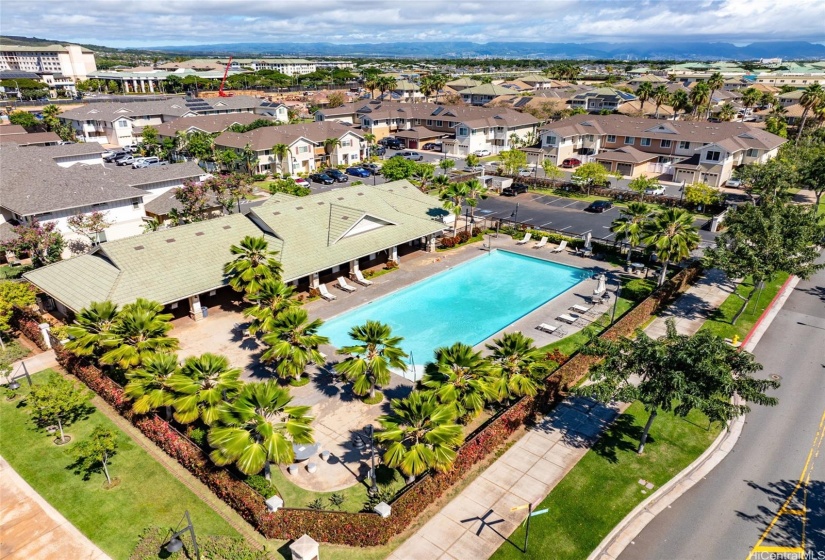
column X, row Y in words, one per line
column 181, row 22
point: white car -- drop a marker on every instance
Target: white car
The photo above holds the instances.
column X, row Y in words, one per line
column 483, row 153
column 734, row 183
column 301, row 182
column 660, row 190
column 525, row 172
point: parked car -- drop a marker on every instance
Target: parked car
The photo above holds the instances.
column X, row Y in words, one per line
column 373, row 168
column 436, row 146
column 514, row 189
column 131, row 148
column 125, row 159
column 358, row 172
column 525, row 172
column 599, row 206
column 144, row 161
column 393, row 144
column 483, row 153
column 571, row 162
column 378, row 151
column 659, row 191
column 336, row 175
column 157, row 164
column 734, row 183
column 322, row 178
column 414, row 156
column 473, row 169
column 301, row 182
column 111, row 155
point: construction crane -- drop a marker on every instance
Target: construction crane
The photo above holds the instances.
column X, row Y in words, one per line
column 221, row 92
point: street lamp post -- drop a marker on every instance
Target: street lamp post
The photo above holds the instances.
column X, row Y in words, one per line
column 175, row 544
column 616, row 299
column 373, row 490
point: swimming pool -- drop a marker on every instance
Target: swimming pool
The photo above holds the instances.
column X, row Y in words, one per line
column 467, row 303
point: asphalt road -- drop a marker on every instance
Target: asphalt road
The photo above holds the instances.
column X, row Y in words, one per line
column 724, row 515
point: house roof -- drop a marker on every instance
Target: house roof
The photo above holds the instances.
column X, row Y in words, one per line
column 534, row 79
column 166, row 202
column 176, row 107
column 265, row 137
column 649, row 78
column 463, row 82
column 207, row 123
column 30, row 138
column 310, row 233
column 489, row 90
column 38, row 48
column 625, row 154
column 420, row 133
column 11, row 129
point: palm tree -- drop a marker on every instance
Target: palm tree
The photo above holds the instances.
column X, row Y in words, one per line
column 476, row 190
column 148, row 386
column 369, row 138
column 371, row 84
column 660, row 97
column 750, row 97
column 280, row 151
column 271, row 299
column 91, row 327
column 812, row 97
column 425, row 86
column 258, row 428
column 437, row 82
column 643, row 93
column 370, row 361
column 253, row 263
column 329, row 146
column 699, row 96
column 727, row 112
column 629, row 226
column 715, row 82
column 680, row 100
column 386, row 83
column 424, row 172
column 453, row 196
column 672, row 236
column 516, row 364
column 293, row 343
column 420, row 434
column 457, row 377
column 138, row 332
column 201, row 385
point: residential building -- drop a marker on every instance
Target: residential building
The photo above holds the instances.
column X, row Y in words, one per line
column 152, row 80
column 274, row 110
column 317, row 238
column 72, row 61
column 288, row 66
column 600, row 99
column 694, row 151
column 464, row 129
column 337, row 64
column 403, row 92
column 462, row 83
column 211, row 124
column 539, row 82
column 483, row 94
column 307, row 151
column 16, row 134
column 652, row 79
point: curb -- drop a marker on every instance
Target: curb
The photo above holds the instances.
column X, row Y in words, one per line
column 632, row 525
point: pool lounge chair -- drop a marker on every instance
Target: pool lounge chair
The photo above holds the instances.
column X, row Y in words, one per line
column 359, row 277
column 322, row 289
column 342, row 283
column 551, row 329
column 562, row 246
column 526, row 239
column 567, row 318
column 541, row 243
column 580, row 308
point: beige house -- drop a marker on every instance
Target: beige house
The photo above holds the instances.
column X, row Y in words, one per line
column 72, row 61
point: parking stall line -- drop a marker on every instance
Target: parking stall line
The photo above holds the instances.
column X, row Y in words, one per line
column 571, row 204
column 564, row 228
column 545, row 224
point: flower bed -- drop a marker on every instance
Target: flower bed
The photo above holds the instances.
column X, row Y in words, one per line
column 28, row 323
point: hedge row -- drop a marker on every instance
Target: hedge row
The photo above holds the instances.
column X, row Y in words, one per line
column 28, row 323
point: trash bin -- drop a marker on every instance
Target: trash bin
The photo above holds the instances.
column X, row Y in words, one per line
column 205, row 312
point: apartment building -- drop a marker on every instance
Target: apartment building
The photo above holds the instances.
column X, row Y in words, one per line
column 70, row 61
column 307, row 151
column 600, row 99
column 288, row 66
column 463, row 129
column 690, row 151
column 482, row 94
column 209, row 124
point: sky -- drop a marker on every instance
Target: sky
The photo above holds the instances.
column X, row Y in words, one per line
column 145, row 23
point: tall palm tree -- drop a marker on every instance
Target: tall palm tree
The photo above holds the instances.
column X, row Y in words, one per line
column 437, row 82
column 660, row 97
column 424, row 172
column 516, row 364
column 672, row 236
column 148, row 385
column 329, row 146
column 273, row 298
column 699, row 96
column 280, row 151
column 812, row 97
column 453, row 196
column 680, row 100
column 458, row 378
column 750, row 97
column 258, row 428
column 91, row 327
column 420, row 434
column 201, row 385
column 643, row 93
column 715, row 82
column 139, row 331
column 371, row 84
column 425, row 85
column 476, row 190
column 727, row 112
column 253, row 263
column 293, row 343
column 386, row 83
column 370, row 361
column 630, row 226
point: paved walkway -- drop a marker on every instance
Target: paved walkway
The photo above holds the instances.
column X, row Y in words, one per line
column 31, row 529
column 478, row 520
column 33, row 364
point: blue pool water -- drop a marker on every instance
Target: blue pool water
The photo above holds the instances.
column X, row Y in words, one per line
column 468, row 303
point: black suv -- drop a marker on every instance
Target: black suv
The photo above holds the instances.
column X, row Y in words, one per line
column 599, row 206
column 394, row 144
column 514, row 189
column 336, row 175
column 322, row 178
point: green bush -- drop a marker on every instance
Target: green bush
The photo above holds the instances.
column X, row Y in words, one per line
column 198, row 435
column 14, row 351
column 638, row 289
column 261, row 485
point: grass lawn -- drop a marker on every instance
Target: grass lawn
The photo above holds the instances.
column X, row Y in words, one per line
column 147, row 494
column 720, row 322
column 603, row 487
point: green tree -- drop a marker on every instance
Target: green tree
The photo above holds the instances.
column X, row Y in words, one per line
column 453, row 196
column 660, row 96
column 512, row 161
column 24, row 119
column 293, row 343
column 702, row 194
column 50, row 119
column 552, row 171
column 751, row 97
column 92, row 328
column 13, row 295
column 590, row 174
column 680, row 101
column 714, row 83
column 200, row 145
column 370, row 359
column 676, row 374
column 201, row 385
column 58, row 401
column 812, row 97
column 446, row 164
column 397, row 168
column 699, row 96
column 472, row 160
column 139, row 330
column 476, row 190
column 279, row 152
column 671, row 235
column 273, row 298
column 249, row 158
column 419, row 434
column 458, row 378
column 812, row 174
column 93, row 454
column 228, row 159
column 150, row 141
column 253, row 263
column 148, row 386
column 259, row 427
column 516, row 367
column 643, row 93
column 642, row 183
column 630, row 226
column 424, row 172
column 727, row 112
column 777, row 125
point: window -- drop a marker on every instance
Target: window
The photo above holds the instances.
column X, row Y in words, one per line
column 301, row 149
column 550, row 140
column 611, row 138
column 665, row 143
column 463, row 131
column 629, row 139
column 712, row 155
column 439, row 123
column 346, row 143
column 123, row 123
column 644, row 142
column 429, row 122
column 136, row 203
column 684, row 145
column 752, row 152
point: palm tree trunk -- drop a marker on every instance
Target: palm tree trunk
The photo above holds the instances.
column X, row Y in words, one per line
column 663, row 275
column 60, row 427
column 372, row 390
column 168, row 412
column 802, row 124
column 646, row 431
column 105, row 468
column 629, row 253
column 268, row 470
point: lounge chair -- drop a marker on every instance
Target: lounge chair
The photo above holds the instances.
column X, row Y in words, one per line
column 549, row 329
column 359, row 277
column 342, row 283
column 541, row 243
column 567, row 318
column 580, row 308
column 562, row 246
column 322, row 289
column 526, row 239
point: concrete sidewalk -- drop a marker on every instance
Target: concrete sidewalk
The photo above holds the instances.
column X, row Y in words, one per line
column 694, row 306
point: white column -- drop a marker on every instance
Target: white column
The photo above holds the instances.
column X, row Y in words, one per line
column 314, row 281
column 134, row 84
column 195, row 311
column 353, row 267
column 430, row 247
column 151, row 86
column 143, row 85
column 394, row 254
column 44, row 331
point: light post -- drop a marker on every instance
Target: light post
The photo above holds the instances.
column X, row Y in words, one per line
column 616, row 298
column 373, row 489
column 175, row 544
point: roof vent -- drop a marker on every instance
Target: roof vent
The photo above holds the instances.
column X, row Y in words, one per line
column 170, row 240
column 276, row 213
column 139, row 247
column 360, row 194
column 345, row 217
column 321, row 203
column 227, row 227
column 299, row 207
column 198, row 233
column 340, row 198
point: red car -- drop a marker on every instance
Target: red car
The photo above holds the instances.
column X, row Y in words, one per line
column 571, row 162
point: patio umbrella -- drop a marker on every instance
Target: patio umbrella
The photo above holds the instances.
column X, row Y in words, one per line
column 587, row 237
column 601, row 287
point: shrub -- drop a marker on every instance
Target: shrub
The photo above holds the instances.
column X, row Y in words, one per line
column 259, row 177
column 14, row 351
column 152, row 539
column 316, row 504
column 261, row 485
column 638, row 289
column 28, row 323
column 198, row 435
